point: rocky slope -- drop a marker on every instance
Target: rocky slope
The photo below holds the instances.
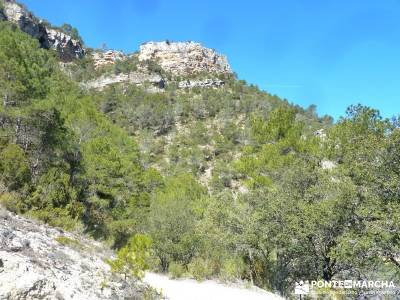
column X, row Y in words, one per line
column 136, row 78
column 200, row 65
column 184, row 58
column 109, row 57
column 67, row 47
column 40, row 262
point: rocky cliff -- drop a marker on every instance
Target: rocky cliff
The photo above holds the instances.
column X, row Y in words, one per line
column 177, row 60
column 40, row 262
column 108, row 57
column 184, row 58
column 136, row 78
column 67, row 47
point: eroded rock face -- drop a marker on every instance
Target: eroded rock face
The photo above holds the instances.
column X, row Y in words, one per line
column 18, row 15
column 184, row 58
column 206, row 83
column 136, row 78
column 67, row 47
column 107, row 58
column 39, row 262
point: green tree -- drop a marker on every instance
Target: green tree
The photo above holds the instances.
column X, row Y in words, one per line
column 25, row 69
column 133, row 259
column 72, row 31
column 14, row 167
column 172, row 220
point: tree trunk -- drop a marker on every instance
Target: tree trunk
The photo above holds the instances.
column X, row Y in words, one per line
column 328, row 269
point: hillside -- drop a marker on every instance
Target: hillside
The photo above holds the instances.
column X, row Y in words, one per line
column 40, row 262
column 166, row 146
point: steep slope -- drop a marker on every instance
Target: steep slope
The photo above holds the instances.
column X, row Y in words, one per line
column 184, row 58
column 159, row 64
column 167, row 144
column 66, row 46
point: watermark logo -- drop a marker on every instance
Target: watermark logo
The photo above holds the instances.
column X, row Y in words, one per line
column 305, row 287
column 353, row 284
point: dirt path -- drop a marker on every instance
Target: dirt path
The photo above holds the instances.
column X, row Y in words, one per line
column 188, row 289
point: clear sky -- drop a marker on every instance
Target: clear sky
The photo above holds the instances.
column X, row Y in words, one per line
column 331, row 53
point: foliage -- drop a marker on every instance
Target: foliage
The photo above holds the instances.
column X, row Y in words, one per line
column 232, row 269
column 66, row 241
column 172, row 220
column 132, row 259
column 176, row 270
column 71, row 31
column 25, row 69
column 14, row 167
column 200, row 268
column 230, row 182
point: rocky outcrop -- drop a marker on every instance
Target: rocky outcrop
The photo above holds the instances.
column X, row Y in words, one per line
column 39, row 262
column 107, row 58
column 136, row 78
column 67, row 47
column 154, row 80
column 184, row 58
column 18, row 15
column 206, row 83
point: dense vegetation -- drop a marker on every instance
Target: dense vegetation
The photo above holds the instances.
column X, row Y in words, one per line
column 230, row 183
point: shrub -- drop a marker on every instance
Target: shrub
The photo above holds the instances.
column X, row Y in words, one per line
column 200, row 268
column 232, row 269
column 56, row 217
column 14, row 167
column 66, row 241
column 176, row 270
column 11, row 202
column 133, row 259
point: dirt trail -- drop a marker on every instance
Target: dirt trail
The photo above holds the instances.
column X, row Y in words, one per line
column 188, row 289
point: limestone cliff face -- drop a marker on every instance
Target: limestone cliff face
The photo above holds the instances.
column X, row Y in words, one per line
column 206, row 83
column 40, row 262
column 135, row 78
column 18, row 15
column 107, row 58
column 184, row 58
column 67, row 47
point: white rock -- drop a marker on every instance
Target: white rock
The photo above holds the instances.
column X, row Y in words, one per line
column 42, row 268
column 328, row 164
column 136, row 78
column 182, row 58
column 67, row 47
column 320, row 133
column 107, row 58
column 206, row 83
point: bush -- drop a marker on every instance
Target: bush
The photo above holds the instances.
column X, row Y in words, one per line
column 56, row 217
column 133, row 259
column 14, row 167
column 66, row 241
column 176, row 270
column 201, row 269
column 11, row 202
column 232, row 269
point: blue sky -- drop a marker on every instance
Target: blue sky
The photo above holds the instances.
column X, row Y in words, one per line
column 329, row 53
